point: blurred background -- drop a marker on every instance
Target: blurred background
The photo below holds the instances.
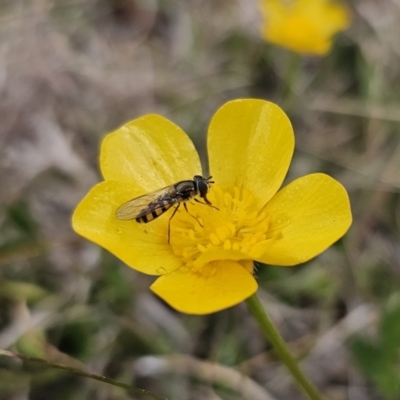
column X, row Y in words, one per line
column 73, row 70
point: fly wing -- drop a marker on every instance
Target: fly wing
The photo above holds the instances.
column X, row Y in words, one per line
column 138, row 207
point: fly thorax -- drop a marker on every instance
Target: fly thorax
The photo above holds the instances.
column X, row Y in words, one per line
column 186, row 189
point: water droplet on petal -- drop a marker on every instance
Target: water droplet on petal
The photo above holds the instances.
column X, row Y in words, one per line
column 161, row 271
column 281, row 221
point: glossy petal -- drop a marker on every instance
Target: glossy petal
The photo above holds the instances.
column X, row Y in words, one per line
column 250, row 144
column 143, row 247
column 149, row 152
column 227, row 283
column 316, row 213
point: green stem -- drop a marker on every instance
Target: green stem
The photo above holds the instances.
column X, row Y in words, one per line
column 255, row 307
column 289, row 79
column 79, row 372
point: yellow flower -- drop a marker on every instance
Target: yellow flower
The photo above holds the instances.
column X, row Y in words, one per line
column 208, row 264
column 304, row 26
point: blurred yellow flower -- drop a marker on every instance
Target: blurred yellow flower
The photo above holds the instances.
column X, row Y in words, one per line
column 208, row 264
column 303, row 26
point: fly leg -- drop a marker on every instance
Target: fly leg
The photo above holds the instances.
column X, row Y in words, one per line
column 169, row 222
column 184, row 204
column 206, row 203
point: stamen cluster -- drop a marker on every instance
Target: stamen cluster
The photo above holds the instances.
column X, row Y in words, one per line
column 206, row 234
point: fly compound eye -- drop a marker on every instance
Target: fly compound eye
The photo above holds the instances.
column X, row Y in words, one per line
column 203, row 187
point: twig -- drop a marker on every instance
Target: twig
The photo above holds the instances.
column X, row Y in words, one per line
column 81, row 373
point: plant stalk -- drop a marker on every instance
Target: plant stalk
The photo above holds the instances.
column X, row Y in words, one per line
column 256, row 309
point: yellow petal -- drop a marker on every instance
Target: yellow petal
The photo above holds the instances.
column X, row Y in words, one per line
column 316, row 213
column 225, row 284
column 304, row 26
column 151, row 152
column 250, row 144
column 143, row 247
column 339, row 19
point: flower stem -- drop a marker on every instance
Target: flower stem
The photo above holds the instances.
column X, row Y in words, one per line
column 256, row 309
column 290, row 76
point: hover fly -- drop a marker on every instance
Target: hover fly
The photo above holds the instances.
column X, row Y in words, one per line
column 150, row 206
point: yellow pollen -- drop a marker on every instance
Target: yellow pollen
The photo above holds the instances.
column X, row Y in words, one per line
column 201, row 247
column 214, row 239
column 227, row 245
column 229, row 232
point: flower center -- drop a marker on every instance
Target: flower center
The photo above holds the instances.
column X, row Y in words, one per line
column 233, row 229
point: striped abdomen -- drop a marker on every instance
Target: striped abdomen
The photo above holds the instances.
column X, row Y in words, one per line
column 155, row 209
